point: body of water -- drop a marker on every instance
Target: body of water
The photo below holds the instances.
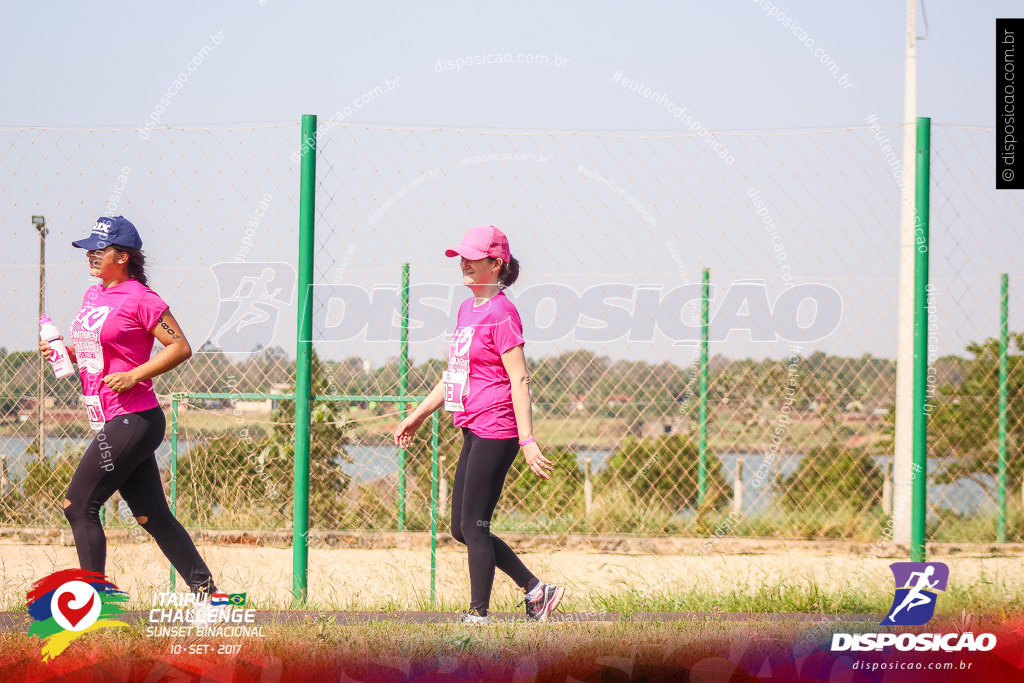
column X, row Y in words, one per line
column 965, row 496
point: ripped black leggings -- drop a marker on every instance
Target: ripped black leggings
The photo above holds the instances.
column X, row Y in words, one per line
column 122, row 458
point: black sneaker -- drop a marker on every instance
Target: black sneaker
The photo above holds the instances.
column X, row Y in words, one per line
column 539, row 609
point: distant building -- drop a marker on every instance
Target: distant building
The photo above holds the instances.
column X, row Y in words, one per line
column 652, row 429
column 265, row 406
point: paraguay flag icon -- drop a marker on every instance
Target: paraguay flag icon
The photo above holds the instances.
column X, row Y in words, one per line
column 68, row 603
column 916, row 583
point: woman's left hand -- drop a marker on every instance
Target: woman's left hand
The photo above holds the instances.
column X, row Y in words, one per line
column 540, row 465
column 120, row 381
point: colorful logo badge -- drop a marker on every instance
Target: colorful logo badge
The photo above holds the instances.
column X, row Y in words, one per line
column 916, row 583
column 68, row 603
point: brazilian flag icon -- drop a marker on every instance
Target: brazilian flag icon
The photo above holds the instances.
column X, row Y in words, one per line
column 237, row 599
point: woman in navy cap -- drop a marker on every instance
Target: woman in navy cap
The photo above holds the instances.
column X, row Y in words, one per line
column 112, row 341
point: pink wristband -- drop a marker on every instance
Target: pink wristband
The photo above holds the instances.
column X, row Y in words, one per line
column 527, row 441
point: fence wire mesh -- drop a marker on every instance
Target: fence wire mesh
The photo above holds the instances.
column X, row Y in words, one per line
column 208, row 203
column 799, row 232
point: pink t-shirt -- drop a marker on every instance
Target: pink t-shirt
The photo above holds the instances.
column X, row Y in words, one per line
column 483, row 401
column 112, row 334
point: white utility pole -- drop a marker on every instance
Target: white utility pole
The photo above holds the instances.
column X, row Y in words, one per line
column 903, row 451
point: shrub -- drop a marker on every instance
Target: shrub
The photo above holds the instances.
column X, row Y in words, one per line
column 532, row 497
column 663, row 471
column 832, row 476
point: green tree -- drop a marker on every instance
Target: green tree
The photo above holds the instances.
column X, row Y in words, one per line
column 418, row 456
column 263, row 369
column 235, row 480
column 964, row 422
column 44, row 487
column 664, row 472
column 560, row 495
column 327, row 481
column 830, row 477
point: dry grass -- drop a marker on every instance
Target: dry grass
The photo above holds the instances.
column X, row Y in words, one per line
column 399, row 579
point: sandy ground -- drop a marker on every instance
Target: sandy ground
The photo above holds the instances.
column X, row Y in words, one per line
column 400, row 578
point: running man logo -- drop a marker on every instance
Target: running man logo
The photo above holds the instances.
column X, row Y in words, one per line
column 68, row 603
column 914, row 602
column 251, row 298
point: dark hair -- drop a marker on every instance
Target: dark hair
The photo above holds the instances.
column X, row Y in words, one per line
column 136, row 263
column 509, row 272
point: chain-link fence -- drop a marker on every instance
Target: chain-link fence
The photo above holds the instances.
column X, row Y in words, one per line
column 207, row 203
column 799, row 232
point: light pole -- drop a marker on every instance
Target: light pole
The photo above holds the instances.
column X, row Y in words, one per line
column 903, row 444
column 40, row 223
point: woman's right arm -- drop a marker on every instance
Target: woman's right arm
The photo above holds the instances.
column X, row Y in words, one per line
column 404, row 432
column 44, row 347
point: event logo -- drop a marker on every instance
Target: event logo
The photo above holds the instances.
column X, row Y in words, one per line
column 461, row 341
column 94, row 318
column 914, row 602
column 191, row 615
column 68, row 603
column 913, row 605
column 251, row 298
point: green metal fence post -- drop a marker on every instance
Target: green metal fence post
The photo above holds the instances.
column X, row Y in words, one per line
column 919, row 505
column 174, row 471
column 403, row 380
column 434, row 479
column 303, row 363
column 702, row 464
column 1004, row 339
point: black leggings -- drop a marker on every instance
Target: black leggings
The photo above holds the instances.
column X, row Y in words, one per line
column 479, row 478
column 122, row 458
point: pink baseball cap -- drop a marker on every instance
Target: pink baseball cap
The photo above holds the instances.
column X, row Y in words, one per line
column 481, row 242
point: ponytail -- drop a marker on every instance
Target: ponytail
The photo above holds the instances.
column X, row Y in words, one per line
column 136, row 263
column 509, row 273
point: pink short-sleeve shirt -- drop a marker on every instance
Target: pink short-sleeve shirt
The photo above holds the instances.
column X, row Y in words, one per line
column 112, row 333
column 478, row 391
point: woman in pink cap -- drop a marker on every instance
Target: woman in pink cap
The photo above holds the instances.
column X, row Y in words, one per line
column 486, row 388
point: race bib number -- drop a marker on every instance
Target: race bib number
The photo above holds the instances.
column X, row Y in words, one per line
column 456, row 386
column 95, row 412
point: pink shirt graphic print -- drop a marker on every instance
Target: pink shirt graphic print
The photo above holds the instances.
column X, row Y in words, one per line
column 477, row 388
column 111, row 333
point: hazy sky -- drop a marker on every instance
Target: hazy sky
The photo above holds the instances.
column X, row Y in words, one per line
column 734, row 66
column 738, row 67
column 105, row 64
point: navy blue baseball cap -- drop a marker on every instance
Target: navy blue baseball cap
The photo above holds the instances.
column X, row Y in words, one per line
column 107, row 231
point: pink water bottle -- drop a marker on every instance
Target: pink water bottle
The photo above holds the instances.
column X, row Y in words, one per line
column 60, row 361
